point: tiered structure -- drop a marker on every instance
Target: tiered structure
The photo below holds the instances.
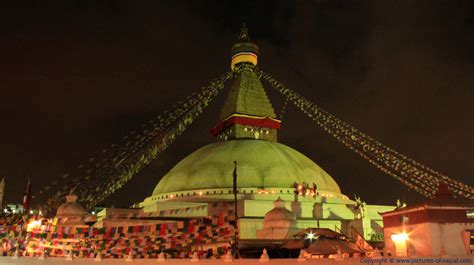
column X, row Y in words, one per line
column 267, row 170
column 202, row 183
column 247, row 112
column 275, row 192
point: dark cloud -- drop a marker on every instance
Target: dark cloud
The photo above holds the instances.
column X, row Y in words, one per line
column 78, row 76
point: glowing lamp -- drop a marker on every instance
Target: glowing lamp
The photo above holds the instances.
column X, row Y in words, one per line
column 311, row 236
column 33, row 225
column 399, row 237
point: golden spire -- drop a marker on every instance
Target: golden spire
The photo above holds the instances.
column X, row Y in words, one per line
column 244, row 51
column 244, row 34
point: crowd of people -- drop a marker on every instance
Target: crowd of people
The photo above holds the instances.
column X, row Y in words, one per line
column 304, row 189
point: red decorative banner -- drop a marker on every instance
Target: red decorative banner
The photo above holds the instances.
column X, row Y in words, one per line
column 261, row 122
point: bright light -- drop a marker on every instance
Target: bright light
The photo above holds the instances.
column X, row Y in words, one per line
column 32, row 225
column 399, row 237
column 31, row 212
column 311, row 236
column 93, row 212
column 200, row 193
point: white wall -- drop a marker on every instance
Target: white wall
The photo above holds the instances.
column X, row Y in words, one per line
column 448, row 237
column 430, row 238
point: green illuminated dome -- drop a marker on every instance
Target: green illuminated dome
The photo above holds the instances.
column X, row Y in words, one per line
column 260, row 164
column 247, row 133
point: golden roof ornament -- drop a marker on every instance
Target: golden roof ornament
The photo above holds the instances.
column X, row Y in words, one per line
column 244, row 34
column 244, row 51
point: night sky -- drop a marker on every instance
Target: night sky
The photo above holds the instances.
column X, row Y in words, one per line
column 77, row 76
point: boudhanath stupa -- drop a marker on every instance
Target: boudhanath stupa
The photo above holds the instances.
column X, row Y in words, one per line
column 201, row 184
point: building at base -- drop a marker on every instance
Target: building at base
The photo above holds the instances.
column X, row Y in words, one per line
column 442, row 226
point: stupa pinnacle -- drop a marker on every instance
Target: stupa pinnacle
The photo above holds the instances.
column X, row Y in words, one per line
column 244, row 51
column 247, row 112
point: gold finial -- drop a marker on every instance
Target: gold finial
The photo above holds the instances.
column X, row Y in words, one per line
column 244, row 34
column 244, row 51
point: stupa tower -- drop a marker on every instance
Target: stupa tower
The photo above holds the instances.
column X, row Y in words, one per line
column 247, row 133
column 267, row 170
column 247, row 112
